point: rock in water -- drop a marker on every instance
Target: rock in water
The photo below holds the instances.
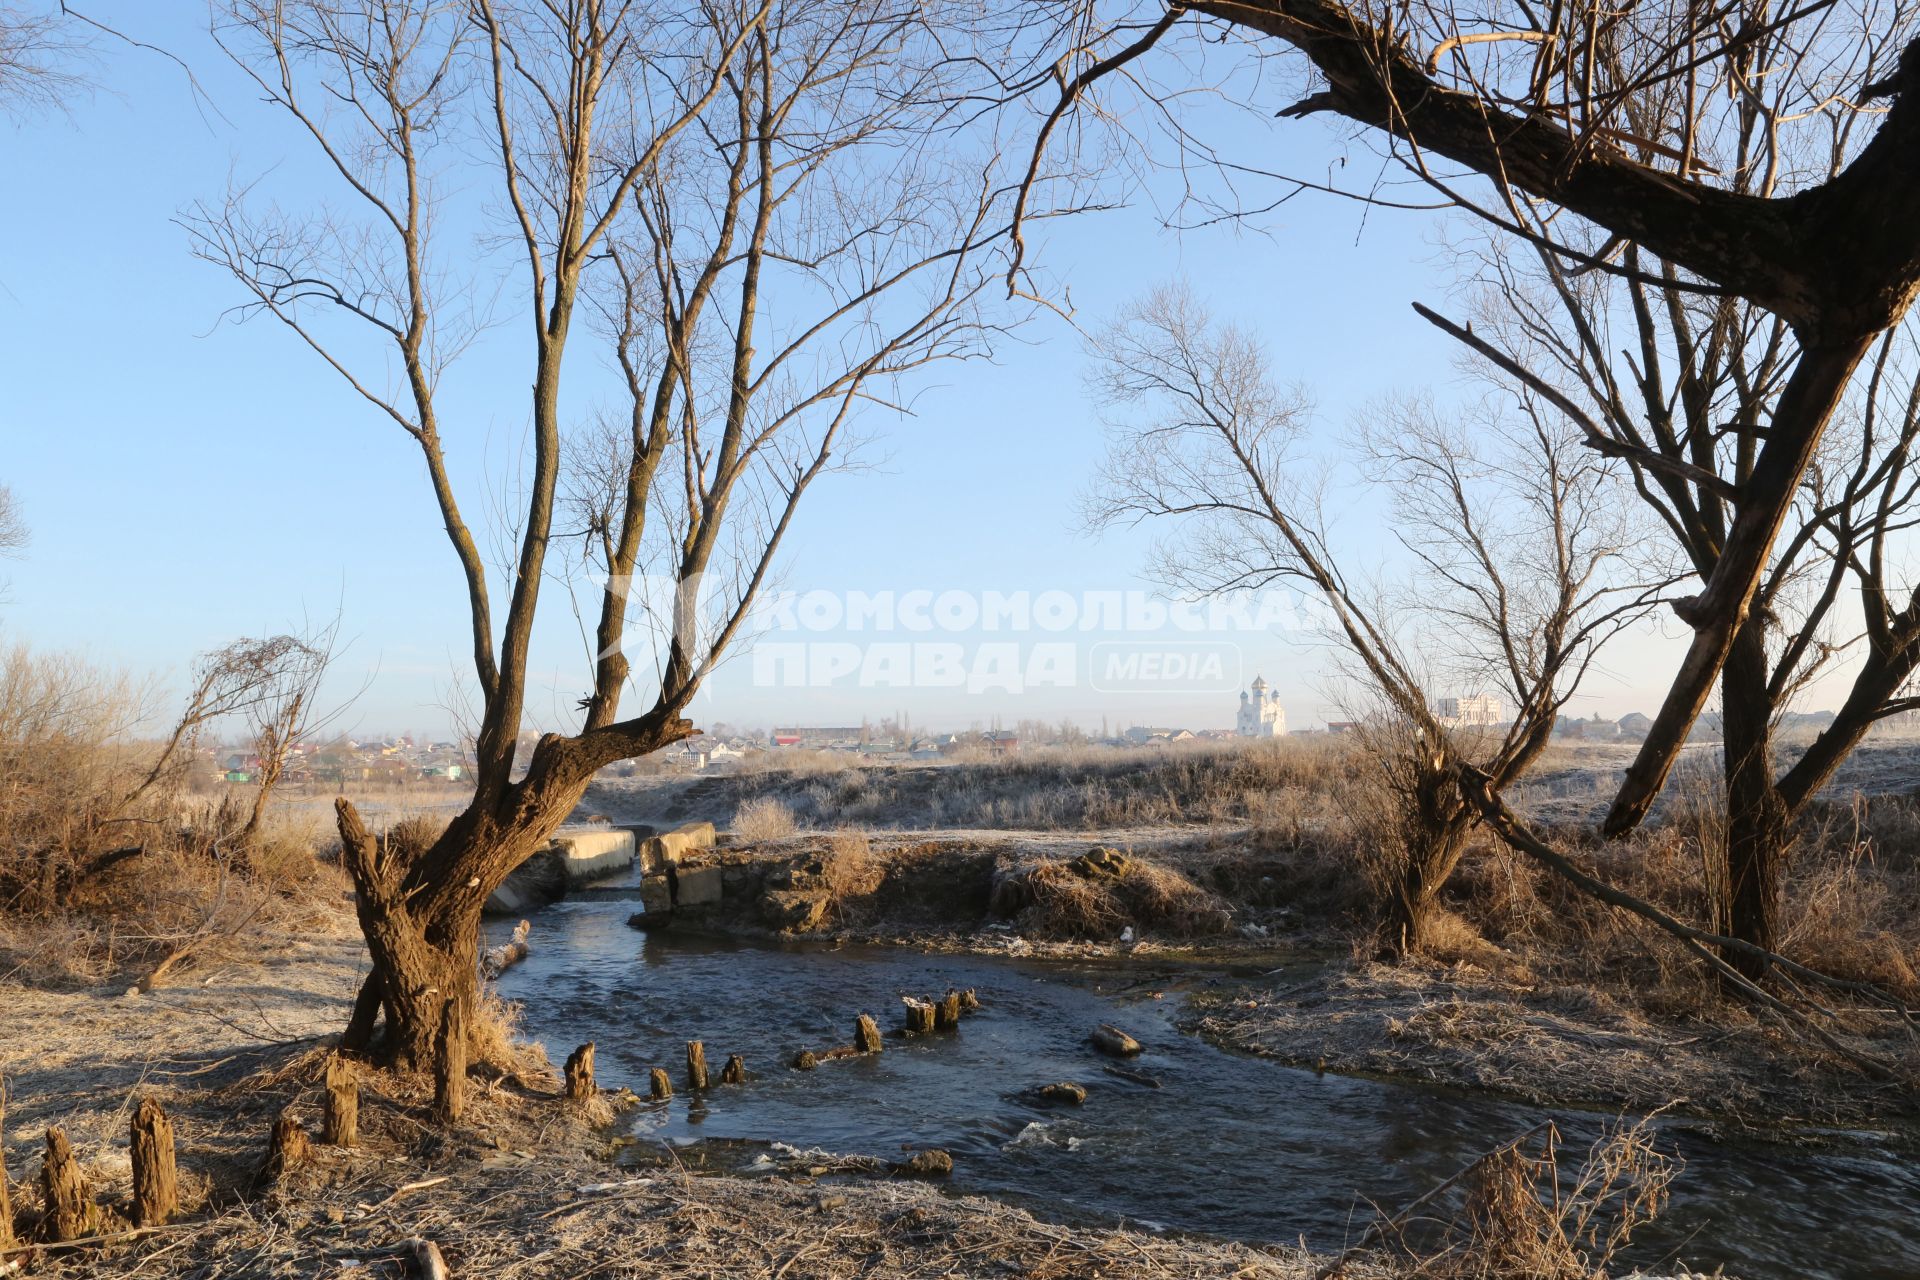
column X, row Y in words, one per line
column 925, row 1164
column 1111, row 1040
column 1064, row 1091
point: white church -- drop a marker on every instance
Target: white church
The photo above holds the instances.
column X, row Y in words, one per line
column 1260, row 714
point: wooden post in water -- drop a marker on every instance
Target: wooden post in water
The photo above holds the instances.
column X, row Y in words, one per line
column 696, row 1065
column 660, row 1088
column 580, row 1084
column 450, row 1066
column 866, row 1035
column 969, row 1001
column 71, row 1212
column 156, row 1182
column 340, row 1121
column 919, row 1016
column 735, row 1072
column 946, row 1014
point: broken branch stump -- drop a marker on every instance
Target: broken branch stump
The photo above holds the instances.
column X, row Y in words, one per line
column 71, row 1212
column 696, row 1065
column 735, row 1072
column 340, row 1121
column 156, row 1181
column 508, row 953
column 579, row 1070
column 866, row 1035
column 660, row 1087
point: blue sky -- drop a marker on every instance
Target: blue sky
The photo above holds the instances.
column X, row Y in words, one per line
column 188, row 480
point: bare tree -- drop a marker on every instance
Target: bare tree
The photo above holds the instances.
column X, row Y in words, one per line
column 40, row 50
column 1686, row 390
column 1525, row 566
column 1537, row 122
column 754, row 201
column 13, row 525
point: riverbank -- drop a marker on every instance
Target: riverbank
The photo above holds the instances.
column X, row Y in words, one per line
column 525, row 1187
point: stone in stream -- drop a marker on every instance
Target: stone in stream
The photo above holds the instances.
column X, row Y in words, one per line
column 925, row 1164
column 1114, row 1042
column 1063, row 1091
column 659, row 1087
column 735, row 1072
column 696, row 1065
column 866, row 1035
column 804, row 1061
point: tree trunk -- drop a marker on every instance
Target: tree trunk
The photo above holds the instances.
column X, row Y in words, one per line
column 287, row 1148
column 156, row 1188
column 579, row 1071
column 1758, row 824
column 1434, row 840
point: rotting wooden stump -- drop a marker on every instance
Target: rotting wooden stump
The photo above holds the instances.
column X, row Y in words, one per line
column 579, row 1073
column 660, row 1085
column 696, row 1065
column 735, row 1072
column 1063, row 1091
column 969, row 1001
column 919, row 1015
column 71, row 1212
column 340, row 1118
column 925, row 1164
column 946, row 1014
column 156, row 1179
column 287, row 1149
column 866, row 1035
column 428, row 1260
column 1111, row 1040
column 804, row 1061
column 450, row 1065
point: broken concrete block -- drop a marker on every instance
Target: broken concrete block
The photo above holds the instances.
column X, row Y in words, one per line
column 698, row 887
column 662, row 851
column 591, row 854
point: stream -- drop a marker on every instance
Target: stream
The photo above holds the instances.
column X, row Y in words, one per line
column 1230, row 1146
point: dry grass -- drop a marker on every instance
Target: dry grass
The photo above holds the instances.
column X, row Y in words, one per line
column 1098, row 896
column 761, row 820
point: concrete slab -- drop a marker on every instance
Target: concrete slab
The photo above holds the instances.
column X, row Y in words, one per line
column 663, row 851
column 591, row 854
column 699, row 887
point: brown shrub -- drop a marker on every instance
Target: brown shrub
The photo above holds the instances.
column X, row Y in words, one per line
column 762, row 819
column 1055, row 899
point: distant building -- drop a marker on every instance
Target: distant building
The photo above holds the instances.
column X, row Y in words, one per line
column 837, row 737
column 1635, row 725
column 1474, row 710
column 1002, row 742
column 1260, row 713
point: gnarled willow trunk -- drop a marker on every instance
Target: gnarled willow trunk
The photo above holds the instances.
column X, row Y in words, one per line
column 1759, row 825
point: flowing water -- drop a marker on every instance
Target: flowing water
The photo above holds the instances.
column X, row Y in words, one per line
column 1229, row 1145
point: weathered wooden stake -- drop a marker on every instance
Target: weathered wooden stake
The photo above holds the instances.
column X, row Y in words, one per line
column 580, row 1084
column 919, row 1016
column 156, row 1182
column 805, row 1060
column 431, row 1263
column 340, row 1121
column 696, row 1065
column 866, row 1035
column 969, row 1001
column 946, row 1014
column 6, row 1199
column 450, row 1065
column 288, row 1149
column 661, row 1087
column 735, row 1072
column 71, row 1212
